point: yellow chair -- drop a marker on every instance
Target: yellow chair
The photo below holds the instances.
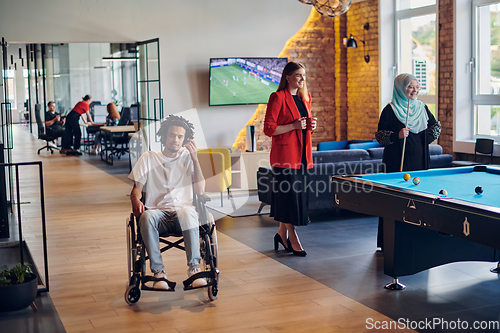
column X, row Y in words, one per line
column 215, row 164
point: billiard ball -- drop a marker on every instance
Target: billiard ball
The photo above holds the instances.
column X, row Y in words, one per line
column 416, row 180
column 444, row 193
column 479, row 189
column 406, row 177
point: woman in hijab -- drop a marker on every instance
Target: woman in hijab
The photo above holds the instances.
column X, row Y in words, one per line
column 421, row 131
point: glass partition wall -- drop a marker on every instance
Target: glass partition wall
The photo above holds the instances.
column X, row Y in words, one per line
column 96, row 69
column 64, row 73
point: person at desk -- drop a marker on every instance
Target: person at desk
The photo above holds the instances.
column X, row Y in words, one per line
column 73, row 133
column 112, row 119
column 288, row 121
column 53, row 123
column 422, row 129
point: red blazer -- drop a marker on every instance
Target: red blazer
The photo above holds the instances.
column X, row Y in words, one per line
column 286, row 148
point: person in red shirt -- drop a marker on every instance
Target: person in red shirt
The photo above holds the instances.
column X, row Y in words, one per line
column 288, row 121
column 73, row 133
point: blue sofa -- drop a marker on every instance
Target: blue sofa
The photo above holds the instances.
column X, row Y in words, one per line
column 339, row 162
column 351, row 144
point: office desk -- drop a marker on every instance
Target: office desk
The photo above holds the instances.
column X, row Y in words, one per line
column 423, row 229
column 109, row 148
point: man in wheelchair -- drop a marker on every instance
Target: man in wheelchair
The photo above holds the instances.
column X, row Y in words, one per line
column 167, row 180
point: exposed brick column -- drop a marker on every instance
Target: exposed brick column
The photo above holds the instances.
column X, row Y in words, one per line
column 446, row 75
column 341, row 106
column 363, row 78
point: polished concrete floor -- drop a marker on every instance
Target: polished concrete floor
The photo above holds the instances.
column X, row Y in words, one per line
column 342, row 255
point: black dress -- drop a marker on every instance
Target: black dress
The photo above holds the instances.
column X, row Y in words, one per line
column 417, row 145
column 290, row 201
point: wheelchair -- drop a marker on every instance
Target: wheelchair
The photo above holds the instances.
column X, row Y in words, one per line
column 137, row 257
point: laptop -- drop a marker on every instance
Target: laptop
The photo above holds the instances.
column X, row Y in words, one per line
column 99, row 118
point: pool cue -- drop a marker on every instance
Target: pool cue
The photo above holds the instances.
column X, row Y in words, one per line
column 404, row 140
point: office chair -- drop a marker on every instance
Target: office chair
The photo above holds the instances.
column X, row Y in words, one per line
column 41, row 132
column 484, row 147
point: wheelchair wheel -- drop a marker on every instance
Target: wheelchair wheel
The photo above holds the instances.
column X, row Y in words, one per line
column 132, row 294
column 215, row 247
column 130, row 247
column 213, row 291
column 210, row 265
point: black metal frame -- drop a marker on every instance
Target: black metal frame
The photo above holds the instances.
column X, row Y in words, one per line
column 19, row 218
column 157, row 112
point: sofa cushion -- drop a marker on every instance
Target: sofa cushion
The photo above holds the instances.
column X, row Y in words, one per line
column 376, row 153
column 340, row 155
column 441, row 161
column 364, row 145
column 332, row 145
column 435, row 150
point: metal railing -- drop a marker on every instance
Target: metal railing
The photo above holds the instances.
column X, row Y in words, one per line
column 19, row 219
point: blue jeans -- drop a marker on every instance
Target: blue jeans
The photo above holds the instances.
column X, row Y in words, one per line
column 155, row 222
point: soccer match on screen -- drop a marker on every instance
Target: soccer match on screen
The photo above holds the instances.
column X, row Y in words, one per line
column 244, row 80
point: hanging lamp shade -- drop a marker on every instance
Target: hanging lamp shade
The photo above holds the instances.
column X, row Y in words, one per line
column 351, row 42
column 307, row 2
column 331, row 8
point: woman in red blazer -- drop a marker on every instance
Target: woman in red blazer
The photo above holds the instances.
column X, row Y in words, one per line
column 288, row 121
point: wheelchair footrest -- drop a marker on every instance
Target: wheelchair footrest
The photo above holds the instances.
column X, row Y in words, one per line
column 207, row 274
column 146, row 279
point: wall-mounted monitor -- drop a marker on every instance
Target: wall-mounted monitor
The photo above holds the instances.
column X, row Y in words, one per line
column 134, row 113
column 100, row 110
column 237, row 81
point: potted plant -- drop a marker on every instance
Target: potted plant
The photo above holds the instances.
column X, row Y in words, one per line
column 18, row 287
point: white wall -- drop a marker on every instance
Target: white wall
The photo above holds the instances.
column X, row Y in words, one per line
column 190, row 33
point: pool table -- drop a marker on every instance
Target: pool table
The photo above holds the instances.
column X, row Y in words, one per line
column 421, row 228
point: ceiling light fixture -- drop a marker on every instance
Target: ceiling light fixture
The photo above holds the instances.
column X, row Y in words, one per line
column 330, row 8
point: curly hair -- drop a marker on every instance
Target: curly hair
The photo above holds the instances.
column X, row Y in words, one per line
column 179, row 121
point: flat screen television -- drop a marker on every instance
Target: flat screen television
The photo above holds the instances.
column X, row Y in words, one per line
column 100, row 110
column 241, row 81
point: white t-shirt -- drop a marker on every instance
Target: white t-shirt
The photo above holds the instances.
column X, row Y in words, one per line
column 167, row 181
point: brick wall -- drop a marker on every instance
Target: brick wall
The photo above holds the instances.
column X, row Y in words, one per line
column 363, row 78
column 344, row 88
column 445, row 75
column 313, row 46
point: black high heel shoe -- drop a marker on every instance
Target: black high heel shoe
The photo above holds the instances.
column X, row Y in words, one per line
column 278, row 239
column 296, row 253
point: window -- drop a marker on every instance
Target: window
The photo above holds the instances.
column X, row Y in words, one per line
column 416, row 45
column 486, row 67
column 411, row 4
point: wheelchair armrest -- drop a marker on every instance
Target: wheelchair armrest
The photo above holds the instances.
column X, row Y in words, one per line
column 203, row 198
